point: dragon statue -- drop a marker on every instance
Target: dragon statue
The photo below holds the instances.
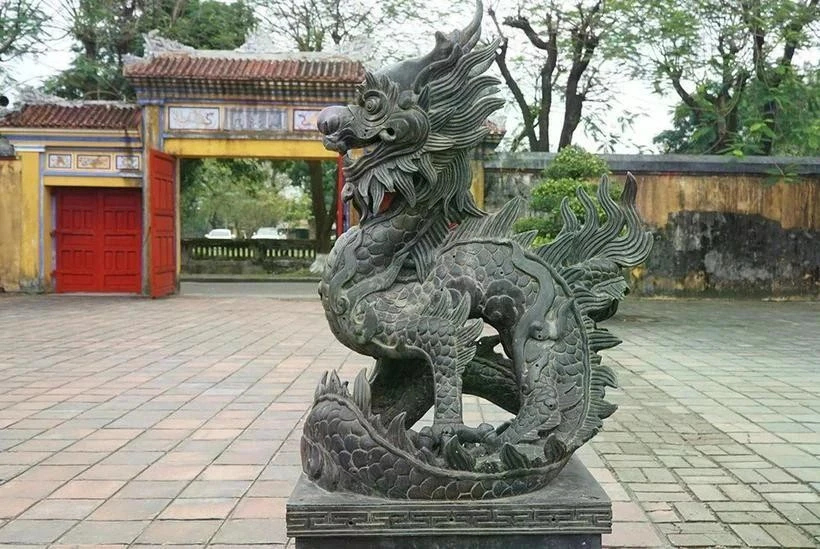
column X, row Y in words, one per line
column 415, row 283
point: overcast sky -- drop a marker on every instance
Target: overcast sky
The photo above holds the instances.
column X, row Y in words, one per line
column 652, row 112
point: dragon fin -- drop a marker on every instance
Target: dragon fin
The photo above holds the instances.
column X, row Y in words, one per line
column 620, row 239
column 496, row 225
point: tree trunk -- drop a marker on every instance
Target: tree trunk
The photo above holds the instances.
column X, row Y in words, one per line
column 572, row 117
column 321, row 216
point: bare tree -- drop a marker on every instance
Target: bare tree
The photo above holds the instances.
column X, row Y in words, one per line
column 566, row 43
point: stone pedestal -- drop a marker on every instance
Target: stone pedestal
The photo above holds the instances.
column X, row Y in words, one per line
column 571, row 512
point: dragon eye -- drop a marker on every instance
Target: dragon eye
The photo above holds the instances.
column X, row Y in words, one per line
column 371, row 104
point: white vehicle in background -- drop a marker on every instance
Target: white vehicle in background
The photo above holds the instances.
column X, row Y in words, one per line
column 270, row 233
column 220, row 234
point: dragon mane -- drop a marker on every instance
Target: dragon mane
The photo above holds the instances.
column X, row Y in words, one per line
column 431, row 171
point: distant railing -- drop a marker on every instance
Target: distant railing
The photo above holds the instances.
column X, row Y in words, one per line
column 239, row 250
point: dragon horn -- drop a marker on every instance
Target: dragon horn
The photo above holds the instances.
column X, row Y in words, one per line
column 468, row 37
column 410, row 73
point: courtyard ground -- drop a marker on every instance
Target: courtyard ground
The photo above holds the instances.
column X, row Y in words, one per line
column 176, row 422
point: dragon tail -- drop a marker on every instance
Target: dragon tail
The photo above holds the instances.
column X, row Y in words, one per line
column 589, row 256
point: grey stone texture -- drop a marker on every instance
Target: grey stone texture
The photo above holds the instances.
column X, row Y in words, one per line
column 185, row 414
column 571, row 513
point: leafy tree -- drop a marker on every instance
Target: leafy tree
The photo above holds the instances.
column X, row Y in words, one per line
column 569, row 43
column 22, row 24
column 108, row 30
column 319, row 25
column 732, row 64
column 241, row 194
column 571, row 168
column 318, row 180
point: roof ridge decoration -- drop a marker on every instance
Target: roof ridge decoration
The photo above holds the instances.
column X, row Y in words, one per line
column 155, row 44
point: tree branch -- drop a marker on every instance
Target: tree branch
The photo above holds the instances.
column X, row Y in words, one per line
column 522, row 23
column 501, row 61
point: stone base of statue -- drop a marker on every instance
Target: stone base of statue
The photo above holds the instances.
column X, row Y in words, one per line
column 570, row 513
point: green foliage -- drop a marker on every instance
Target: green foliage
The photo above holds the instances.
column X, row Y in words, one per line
column 733, row 65
column 108, row 30
column 793, row 131
column 575, row 163
column 21, row 28
column 572, row 168
column 241, row 195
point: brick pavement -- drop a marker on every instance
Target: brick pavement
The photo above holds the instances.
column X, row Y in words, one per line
column 131, row 422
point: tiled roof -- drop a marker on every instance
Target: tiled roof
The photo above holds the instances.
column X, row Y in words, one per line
column 96, row 116
column 494, row 128
column 243, row 68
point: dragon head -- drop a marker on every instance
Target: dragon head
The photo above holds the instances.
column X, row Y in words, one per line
column 381, row 115
column 417, row 122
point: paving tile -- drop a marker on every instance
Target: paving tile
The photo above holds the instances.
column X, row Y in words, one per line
column 283, row 488
column 88, row 489
column 632, row 534
column 11, row 507
column 254, row 508
column 179, row 531
column 171, row 472
column 34, row 531
column 29, row 488
column 111, row 472
column 246, row 531
column 754, row 535
column 231, row 472
column 104, row 532
column 199, row 508
column 704, row 433
column 788, row 536
column 797, row 513
column 225, row 488
column 152, row 489
column 693, row 511
column 65, row 509
column 125, row 509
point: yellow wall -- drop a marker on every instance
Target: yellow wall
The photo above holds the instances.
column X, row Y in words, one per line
column 10, row 224
column 85, row 181
column 48, row 240
column 30, row 220
column 477, row 184
column 248, row 148
column 792, row 204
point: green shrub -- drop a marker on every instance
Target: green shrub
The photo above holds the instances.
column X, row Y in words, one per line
column 573, row 162
column 572, row 167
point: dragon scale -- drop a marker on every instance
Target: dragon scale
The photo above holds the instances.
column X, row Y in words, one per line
column 416, row 282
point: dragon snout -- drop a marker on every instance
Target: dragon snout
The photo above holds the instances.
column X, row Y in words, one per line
column 331, row 119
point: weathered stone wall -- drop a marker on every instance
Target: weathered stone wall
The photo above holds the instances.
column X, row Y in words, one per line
column 722, row 226
column 10, row 223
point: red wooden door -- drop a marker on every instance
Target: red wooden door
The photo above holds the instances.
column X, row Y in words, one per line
column 98, row 239
column 121, row 239
column 162, row 214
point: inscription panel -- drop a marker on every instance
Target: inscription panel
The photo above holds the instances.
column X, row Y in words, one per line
column 257, row 119
column 93, row 162
column 193, row 118
column 60, row 161
column 305, row 120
